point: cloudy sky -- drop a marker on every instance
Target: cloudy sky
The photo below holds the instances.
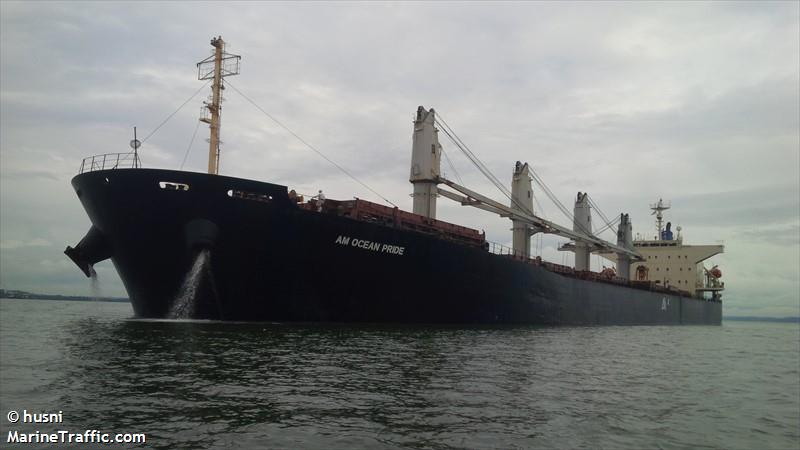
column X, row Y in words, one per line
column 694, row 102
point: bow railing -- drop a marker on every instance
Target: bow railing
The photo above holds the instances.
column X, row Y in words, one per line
column 109, row 161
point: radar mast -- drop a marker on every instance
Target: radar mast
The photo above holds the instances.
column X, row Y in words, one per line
column 658, row 210
column 217, row 66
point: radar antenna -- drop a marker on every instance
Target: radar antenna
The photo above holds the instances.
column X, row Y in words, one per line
column 658, row 209
column 217, row 66
column 135, row 144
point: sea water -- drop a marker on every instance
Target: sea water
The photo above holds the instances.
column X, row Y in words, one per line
column 190, row 384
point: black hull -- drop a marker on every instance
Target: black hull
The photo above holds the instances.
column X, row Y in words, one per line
column 273, row 261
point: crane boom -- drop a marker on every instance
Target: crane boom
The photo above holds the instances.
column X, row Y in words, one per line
column 472, row 198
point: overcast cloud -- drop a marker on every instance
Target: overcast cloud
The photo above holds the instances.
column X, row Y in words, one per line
column 692, row 102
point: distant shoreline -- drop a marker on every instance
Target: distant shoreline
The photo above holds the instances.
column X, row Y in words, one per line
column 23, row 295
column 761, row 319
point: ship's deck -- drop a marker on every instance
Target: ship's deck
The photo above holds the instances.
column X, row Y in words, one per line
column 374, row 213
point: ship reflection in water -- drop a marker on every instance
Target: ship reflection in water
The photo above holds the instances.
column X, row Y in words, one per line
column 200, row 384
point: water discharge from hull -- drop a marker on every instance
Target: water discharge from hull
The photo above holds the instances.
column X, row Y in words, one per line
column 97, row 294
column 186, row 301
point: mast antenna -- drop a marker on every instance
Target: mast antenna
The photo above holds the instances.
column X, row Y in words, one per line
column 658, row 210
column 216, row 67
column 135, row 144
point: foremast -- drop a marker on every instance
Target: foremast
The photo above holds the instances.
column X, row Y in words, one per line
column 215, row 68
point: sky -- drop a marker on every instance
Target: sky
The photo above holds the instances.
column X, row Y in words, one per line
column 696, row 103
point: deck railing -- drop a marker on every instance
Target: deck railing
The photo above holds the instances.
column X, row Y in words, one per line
column 499, row 249
column 109, row 161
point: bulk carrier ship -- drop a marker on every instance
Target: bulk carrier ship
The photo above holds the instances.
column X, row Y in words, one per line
column 256, row 251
